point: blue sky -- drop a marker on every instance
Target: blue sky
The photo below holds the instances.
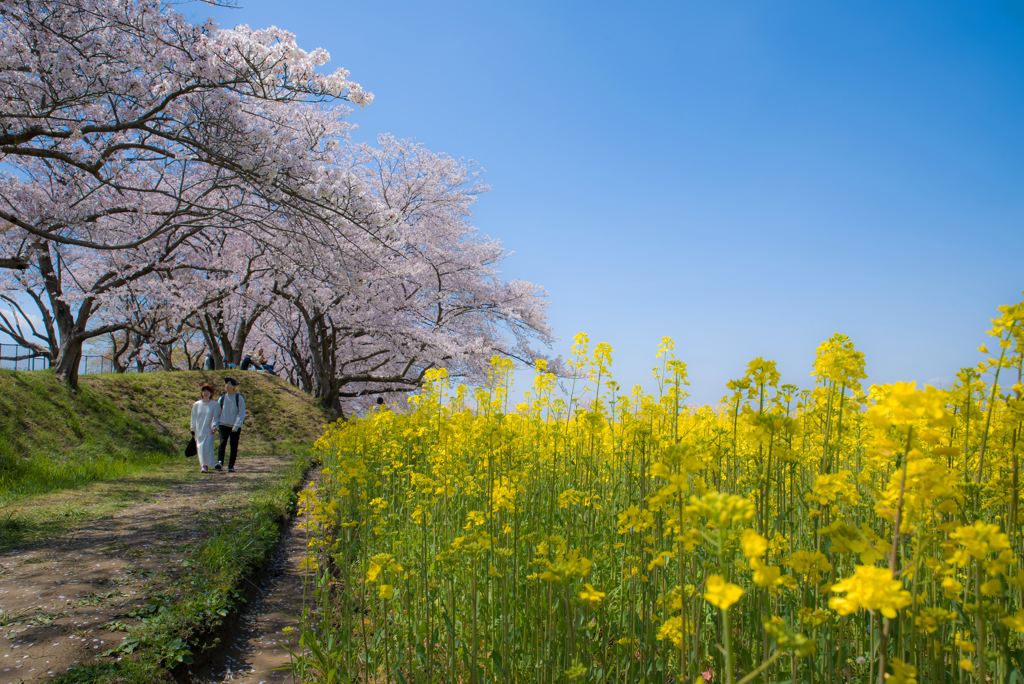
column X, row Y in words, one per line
column 747, row 177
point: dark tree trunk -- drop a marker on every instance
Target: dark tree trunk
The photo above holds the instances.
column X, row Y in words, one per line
column 69, row 358
column 328, row 394
column 69, row 327
column 326, row 385
column 165, row 355
column 300, row 372
column 227, row 341
column 194, row 361
column 210, row 326
column 118, row 350
column 324, row 372
column 69, row 354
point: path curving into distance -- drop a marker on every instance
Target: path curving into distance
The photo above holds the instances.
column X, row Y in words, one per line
column 66, row 600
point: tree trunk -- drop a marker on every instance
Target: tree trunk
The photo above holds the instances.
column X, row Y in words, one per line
column 227, row 342
column 69, row 354
column 193, row 361
column 327, row 392
column 211, row 327
column 118, row 350
column 69, row 327
column 326, row 385
column 68, row 360
column 300, row 373
column 324, row 371
column 165, row 353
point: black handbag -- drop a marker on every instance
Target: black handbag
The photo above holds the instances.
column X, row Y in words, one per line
column 191, row 449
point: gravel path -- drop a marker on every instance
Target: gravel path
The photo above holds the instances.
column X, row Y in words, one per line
column 68, row 600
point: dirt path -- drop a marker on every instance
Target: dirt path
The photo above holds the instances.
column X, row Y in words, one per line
column 67, row 600
column 260, row 649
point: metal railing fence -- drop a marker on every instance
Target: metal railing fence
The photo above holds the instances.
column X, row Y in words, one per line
column 16, row 357
column 92, row 364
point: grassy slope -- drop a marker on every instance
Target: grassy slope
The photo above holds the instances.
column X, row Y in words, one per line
column 52, row 438
column 278, row 413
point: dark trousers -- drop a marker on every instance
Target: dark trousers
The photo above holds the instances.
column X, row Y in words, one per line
column 226, row 435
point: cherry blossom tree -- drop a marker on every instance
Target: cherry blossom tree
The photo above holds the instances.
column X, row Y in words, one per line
column 227, row 322
column 160, row 178
column 98, row 89
column 424, row 293
column 216, row 300
column 126, row 132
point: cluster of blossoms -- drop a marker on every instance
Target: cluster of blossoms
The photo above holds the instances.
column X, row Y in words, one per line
column 168, row 186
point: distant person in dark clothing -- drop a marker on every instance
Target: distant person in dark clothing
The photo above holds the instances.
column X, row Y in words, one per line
column 208, row 362
column 246, row 362
column 232, row 416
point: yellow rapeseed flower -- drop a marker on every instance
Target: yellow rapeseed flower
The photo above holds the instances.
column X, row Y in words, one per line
column 754, row 545
column 576, row 671
column 723, row 510
column 1015, row 621
column 902, row 405
column 764, row 575
column 591, row 595
column 811, row 564
column 720, row 593
column 951, row 588
column 902, row 673
column 980, row 539
column 671, row 629
column 870, row 588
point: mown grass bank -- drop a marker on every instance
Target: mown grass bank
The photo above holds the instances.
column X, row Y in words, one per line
column 52, row 438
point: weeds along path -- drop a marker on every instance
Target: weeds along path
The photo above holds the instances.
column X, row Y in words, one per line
column 68, row 599
column 260, row 648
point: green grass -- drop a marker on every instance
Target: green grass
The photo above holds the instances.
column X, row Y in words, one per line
column 31, row 520
column 281, row 418
column 53, row 439
column 121, row 672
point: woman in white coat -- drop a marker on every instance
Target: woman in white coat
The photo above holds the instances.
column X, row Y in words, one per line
column 205, row 420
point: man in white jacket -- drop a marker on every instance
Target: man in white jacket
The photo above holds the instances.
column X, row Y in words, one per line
column 232, row 416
